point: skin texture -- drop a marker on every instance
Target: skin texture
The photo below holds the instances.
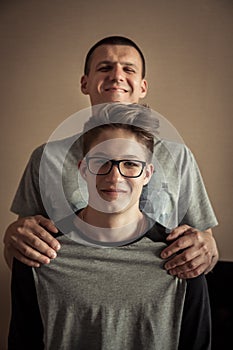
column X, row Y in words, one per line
column 109, row 193
column 115, row 76
column 113, row 201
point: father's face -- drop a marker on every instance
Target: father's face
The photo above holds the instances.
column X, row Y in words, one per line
column 115, row 75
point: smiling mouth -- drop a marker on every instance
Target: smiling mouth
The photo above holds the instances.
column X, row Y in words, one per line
column 114, row 194
column 116, row 89
column 111, row 191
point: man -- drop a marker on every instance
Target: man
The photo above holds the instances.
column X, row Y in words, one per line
column 115, row 72
column 114, row 292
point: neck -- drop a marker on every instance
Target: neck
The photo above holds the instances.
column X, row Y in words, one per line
column 110, row 220
column 112, row 227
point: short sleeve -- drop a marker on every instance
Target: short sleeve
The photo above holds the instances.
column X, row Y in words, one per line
column 194, row 205
column 27, row 200
column 176, row 193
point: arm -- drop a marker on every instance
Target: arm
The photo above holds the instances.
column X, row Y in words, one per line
column 27, row 240
column 195, row 252
column 26, row 328
column 195, row 245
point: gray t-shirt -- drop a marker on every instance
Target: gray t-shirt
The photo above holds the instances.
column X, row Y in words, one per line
column 52, row 186
column 107, row 297
column 111, row 299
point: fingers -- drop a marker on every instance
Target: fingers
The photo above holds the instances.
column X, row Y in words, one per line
column 33, row 247
column 190, row 274
column 41, row 220
column 191, row 238
column 182, row 267
column 179, row 231
column 29, row 242
column 190, row 254
column 37, row 224
column 29, row 231
column 36, row 236
column 28, row 261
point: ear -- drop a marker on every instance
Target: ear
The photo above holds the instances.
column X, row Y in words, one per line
column 82, row 167
column 148, row 173
column 84, row 82
column 144, row 88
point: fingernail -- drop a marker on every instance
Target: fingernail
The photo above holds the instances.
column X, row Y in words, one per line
column 46, row 261
column 57, row 247
column 53, row 255
column 167, row 266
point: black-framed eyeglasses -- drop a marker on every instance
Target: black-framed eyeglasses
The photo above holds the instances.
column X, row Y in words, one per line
column 127, row 167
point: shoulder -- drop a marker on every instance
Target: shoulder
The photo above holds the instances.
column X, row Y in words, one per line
column 174, row 153
column 175, row 149
column 156, row 231
column 55, row 149
column 64, row 144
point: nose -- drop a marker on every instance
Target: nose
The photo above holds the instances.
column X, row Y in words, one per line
column 117, row 73
column 114, row 175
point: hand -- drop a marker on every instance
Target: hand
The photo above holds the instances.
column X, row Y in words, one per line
column 28, row 241
column 196, row 252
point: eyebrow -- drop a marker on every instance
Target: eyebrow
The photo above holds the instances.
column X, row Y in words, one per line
column 104, row 155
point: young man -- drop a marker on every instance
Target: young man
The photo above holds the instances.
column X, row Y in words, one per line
column 115, row 72
column 107, row 289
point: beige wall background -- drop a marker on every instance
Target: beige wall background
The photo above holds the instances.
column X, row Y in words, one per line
column 189, row 53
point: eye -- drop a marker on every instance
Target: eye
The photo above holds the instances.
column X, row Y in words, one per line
column 104, row 68
column 128, row 69
column 131, row 164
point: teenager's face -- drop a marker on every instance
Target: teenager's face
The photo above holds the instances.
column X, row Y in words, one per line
column 114, row 192
column 115, row 75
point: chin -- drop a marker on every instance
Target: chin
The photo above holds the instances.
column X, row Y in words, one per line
column 113, row 207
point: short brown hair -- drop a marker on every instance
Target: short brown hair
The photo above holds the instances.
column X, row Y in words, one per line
column 113, row 40
column 135, row 118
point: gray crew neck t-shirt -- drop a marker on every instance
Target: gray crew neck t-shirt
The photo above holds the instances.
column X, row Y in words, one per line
column 110, row 299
